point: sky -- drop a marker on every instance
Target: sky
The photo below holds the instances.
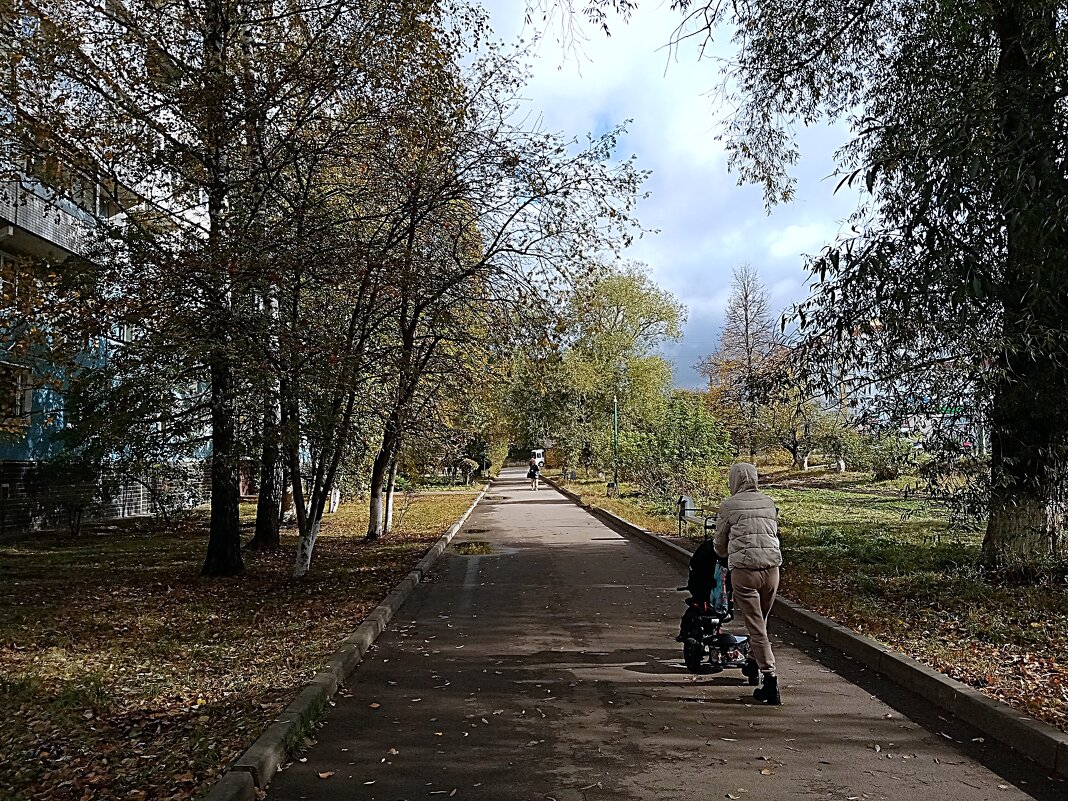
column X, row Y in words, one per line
column 707, row 223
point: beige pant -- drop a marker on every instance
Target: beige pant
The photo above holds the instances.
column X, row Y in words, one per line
column 754, row 593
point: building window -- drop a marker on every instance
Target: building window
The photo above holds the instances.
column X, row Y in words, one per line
column 16, row 395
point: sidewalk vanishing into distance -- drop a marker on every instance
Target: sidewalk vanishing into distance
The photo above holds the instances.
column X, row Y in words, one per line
column 546, row 669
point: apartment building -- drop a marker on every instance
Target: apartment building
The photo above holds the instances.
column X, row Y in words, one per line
column 39, row 231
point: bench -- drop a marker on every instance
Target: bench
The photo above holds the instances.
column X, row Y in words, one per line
column 693, row 515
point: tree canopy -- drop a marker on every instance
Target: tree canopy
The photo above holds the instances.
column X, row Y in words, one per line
column 327, row 216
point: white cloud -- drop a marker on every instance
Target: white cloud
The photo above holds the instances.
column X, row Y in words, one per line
column 708, row 224
column 795, row 241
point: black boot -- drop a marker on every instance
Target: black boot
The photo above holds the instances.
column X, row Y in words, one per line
column 751, row 671
column 769, row 693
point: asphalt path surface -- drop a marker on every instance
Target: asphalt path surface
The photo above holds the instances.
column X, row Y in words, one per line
column 547, row 669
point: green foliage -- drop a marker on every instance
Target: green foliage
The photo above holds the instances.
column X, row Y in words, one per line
column 962, row 486
column 891, row 456
column 951, row 282
column 603, row 358
column 468, row 467
column 842, row 442
column 951, row 286
column 682, row 453
column 342, row 209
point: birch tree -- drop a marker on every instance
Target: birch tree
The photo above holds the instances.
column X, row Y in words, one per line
column 491, row 207
column 746, row 343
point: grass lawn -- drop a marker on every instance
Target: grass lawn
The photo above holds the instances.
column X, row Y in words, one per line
column 867, row 557
column 123, row 675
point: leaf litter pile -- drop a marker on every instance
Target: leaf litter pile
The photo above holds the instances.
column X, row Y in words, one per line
column 123, row 675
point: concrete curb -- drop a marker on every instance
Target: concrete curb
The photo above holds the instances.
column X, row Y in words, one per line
column 1032, row 738
column 256, row 767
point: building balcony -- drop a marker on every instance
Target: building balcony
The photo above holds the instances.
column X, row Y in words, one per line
column 34, row 223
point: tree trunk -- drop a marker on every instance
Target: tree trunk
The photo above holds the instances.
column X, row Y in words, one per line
column 224, row 538
column 794, row 449
column 1029, row 429
column 269, row 505
column 288, row 510
column 305, row 549
column 1020, row 533
column 1027, row 499
column 391, row 486
column 379, row 470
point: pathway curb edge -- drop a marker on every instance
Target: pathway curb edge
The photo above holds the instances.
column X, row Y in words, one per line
column 254, row 769
column 1032, row 738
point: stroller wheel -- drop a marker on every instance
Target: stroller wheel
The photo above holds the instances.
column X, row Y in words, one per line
column 693, row 653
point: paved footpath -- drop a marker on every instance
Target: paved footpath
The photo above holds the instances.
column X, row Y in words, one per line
column 547, row 670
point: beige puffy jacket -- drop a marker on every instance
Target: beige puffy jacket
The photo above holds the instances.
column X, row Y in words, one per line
column 747, row 528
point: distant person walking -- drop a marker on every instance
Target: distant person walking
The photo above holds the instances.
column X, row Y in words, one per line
column 533, row 472
column 747, row 533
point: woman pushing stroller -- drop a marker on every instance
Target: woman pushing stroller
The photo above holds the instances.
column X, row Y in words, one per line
column 747, row 534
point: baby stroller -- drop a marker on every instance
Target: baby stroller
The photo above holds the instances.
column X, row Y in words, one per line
column 708, row 608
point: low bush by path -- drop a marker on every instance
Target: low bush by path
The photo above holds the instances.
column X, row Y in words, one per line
column 123, row 675
column 889, row 567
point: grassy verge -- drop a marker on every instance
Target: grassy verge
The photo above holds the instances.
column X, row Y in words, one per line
column 888, row 566
column 125, row 676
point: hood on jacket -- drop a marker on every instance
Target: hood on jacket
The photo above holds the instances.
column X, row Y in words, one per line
column 742, row 477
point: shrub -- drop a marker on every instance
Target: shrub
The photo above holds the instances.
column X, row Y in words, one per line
column 890, row 457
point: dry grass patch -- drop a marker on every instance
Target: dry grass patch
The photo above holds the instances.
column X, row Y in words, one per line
column 630, row 504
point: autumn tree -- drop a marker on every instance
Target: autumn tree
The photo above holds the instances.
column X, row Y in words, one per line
column 604, row 357
column 490, row 209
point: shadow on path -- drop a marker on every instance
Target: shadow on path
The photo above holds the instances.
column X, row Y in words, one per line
column 964, row 739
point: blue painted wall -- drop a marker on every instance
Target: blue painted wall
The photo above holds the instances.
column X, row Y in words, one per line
column 37, row 440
